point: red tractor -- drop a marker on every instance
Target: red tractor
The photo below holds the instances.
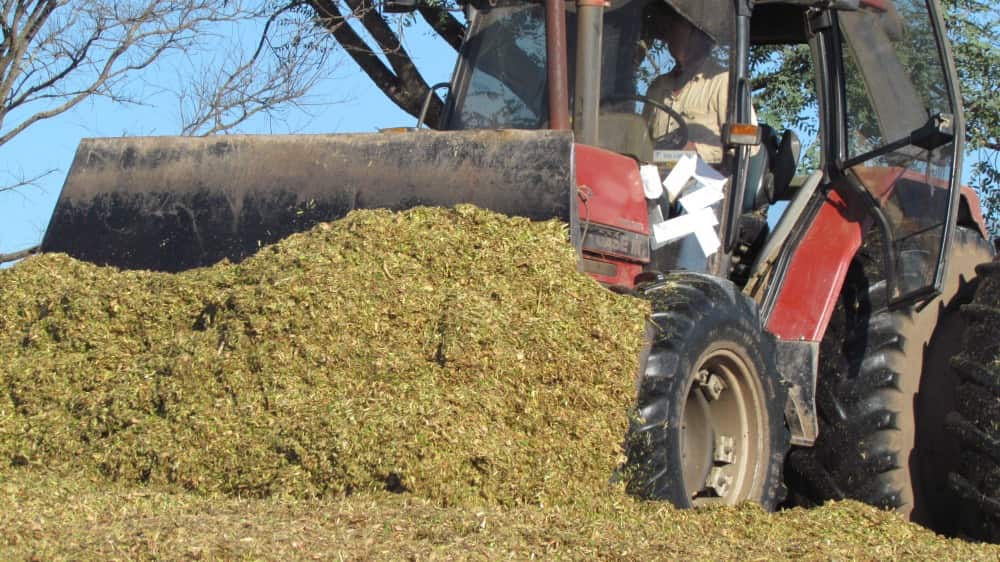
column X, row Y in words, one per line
column 803, row 309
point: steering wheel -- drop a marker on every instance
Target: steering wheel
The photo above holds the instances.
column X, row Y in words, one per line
column 674, row 140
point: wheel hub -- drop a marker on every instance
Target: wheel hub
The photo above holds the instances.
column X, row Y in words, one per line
column 723, row 437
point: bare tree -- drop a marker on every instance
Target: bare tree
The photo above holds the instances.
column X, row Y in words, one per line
column 272, row 77
column 54, row 54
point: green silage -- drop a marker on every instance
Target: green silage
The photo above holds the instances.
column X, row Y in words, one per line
column 455, row 357
column 454, row 354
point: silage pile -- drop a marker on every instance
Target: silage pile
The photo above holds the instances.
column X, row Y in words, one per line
column 454, row 354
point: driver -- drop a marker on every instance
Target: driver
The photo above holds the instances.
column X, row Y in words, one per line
column 696, row 87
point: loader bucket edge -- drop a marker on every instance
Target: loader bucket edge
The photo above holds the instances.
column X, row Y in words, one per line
column 175, row 203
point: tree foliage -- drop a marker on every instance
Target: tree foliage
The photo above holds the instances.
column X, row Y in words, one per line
column 973, row 28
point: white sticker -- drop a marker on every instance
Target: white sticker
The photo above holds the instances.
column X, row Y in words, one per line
column 708, row 176
column 651, row 181
column 679, row 227
column 670, row 157
column 708, row 240
column 655, row 214
column 679, row 176
column 700, row 198
column 698, row 186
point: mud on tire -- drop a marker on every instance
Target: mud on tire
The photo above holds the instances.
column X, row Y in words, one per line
column 976, row 421
column 709, row 424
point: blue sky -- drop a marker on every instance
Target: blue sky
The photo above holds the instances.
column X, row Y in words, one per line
column 354, row 105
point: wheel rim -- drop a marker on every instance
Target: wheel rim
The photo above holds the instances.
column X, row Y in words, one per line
column 723, row 435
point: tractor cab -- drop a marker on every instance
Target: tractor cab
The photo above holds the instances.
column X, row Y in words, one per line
column 649, row 78
column 501, row 80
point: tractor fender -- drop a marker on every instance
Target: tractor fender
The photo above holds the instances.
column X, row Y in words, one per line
column 816, row 270
column 970, row 211
column 809, row 291
column 805, row 301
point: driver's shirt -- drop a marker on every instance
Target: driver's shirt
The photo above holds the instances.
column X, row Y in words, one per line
column 701, row 100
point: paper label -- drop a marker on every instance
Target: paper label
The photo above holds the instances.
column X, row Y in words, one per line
column 679, row 176
column 651, row 185
column 697, row 186
column 709, row 176
column 708, row 240
column 701, row 198
column 670, row 157
column 679, row 227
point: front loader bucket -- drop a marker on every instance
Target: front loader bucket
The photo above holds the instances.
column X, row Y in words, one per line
column 175, row 203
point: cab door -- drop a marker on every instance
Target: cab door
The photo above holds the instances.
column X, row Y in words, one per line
column 902, row 134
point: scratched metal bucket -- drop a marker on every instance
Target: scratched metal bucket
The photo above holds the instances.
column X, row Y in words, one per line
column 175, row 203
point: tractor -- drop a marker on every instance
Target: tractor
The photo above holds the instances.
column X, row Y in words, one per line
column 804, row 303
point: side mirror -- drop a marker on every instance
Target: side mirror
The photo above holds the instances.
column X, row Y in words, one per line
column 786, row 160
column 939, row 130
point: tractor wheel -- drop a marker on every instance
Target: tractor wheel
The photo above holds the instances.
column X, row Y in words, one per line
column 976, row 421
column 709, row 425
column 883, row 391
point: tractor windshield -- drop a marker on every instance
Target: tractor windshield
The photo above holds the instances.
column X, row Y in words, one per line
column 656, row 57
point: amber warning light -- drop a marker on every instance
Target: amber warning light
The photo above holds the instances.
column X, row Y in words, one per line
column 742, row 134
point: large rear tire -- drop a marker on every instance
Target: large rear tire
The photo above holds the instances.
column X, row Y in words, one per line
column 882, row 395
column 709, row 426
column 976, row 421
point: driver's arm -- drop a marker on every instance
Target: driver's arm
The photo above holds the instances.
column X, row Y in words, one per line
column 660, row 91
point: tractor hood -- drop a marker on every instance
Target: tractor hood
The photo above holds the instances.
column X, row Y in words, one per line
column 176, row 203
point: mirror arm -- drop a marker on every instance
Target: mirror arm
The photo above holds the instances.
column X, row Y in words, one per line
column 938, row 131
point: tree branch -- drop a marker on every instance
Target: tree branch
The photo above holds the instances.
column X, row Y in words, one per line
column 330, row 17
column 4, row 258
column 444, row 24
column 25, row 182
column 55, row 54
column 403, row 83
column 259, row 84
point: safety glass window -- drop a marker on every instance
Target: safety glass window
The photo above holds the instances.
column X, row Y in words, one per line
column 665, row 81
column 899, row 146
column 505, row 58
